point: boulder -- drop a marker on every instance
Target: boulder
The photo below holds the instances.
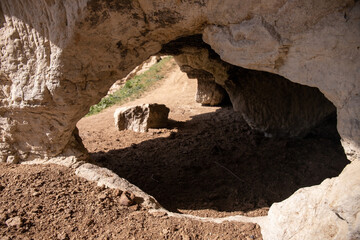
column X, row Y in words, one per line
column 141, row 118
column 327, row 211
column 208, row 91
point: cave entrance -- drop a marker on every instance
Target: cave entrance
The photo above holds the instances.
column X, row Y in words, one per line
column 210, row 162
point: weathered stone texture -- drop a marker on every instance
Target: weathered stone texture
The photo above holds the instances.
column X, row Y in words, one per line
column 197, row 60
column 307, row 43
column 327, row 211
column 268, row 102
column 208, row 91
column 144, row 66
column 276, row 106
column 50, row 68
column 58, row 58
column 141, row 118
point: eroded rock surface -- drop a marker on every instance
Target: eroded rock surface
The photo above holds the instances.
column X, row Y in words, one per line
column 276, row 106
column 141, row 118
column 208, row 91
column 268, row 102
column 135, row 72
column 60, row 57
column 49, row 76
column 197, row 60
column 329, row 206
column 308, row 43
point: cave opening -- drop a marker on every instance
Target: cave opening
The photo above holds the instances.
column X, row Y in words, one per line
column 213, row 161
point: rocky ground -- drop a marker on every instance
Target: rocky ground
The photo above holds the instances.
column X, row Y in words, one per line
column 50, row 202
column 207, row 162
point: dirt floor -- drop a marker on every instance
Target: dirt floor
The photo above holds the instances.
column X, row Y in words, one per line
column 50, row 202
column 207, row 162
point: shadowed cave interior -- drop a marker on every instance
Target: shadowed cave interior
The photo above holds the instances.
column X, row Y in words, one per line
column 217, row 162
column 217, row 165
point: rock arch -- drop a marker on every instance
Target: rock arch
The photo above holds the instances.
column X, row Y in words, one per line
column 60, row 57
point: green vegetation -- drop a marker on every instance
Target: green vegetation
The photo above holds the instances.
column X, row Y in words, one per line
column 133, row 88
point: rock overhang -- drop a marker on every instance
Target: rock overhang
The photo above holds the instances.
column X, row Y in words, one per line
column 60, row 57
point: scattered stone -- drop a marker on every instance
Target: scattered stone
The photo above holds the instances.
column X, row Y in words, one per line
column 185, row 237
column 12, row 159
column 3, row 217
column 63, row 236
column 117, row 192
column 38, row 209
column 126, row 199
column 165, row 231
column 250, row 237
column 141, row 118
column 35, row 194
column 14, row 222
column 135, row 207
column 102, row 196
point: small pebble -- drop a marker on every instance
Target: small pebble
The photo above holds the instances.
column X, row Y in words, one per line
column 14, row 222
column 102, row 196
column 63, row 236
column 35, row 194
column 126, row 199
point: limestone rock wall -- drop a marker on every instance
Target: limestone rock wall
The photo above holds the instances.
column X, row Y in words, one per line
column 208, row 91
column 308, row 43
column 327, row 211
column 37, row 105
column 198, row 61
column 276, row 106
column 59, row 57
column 268, row 102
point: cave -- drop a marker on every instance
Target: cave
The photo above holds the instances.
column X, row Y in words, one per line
column 268, row 152
column 215, row 164
column 61, row 57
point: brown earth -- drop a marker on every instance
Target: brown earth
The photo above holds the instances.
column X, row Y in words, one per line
column 207, row 162
column 50, row 202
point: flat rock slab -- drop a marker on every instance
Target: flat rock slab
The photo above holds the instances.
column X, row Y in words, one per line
column 141, row 118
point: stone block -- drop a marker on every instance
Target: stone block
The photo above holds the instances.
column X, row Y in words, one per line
column 141, row 118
